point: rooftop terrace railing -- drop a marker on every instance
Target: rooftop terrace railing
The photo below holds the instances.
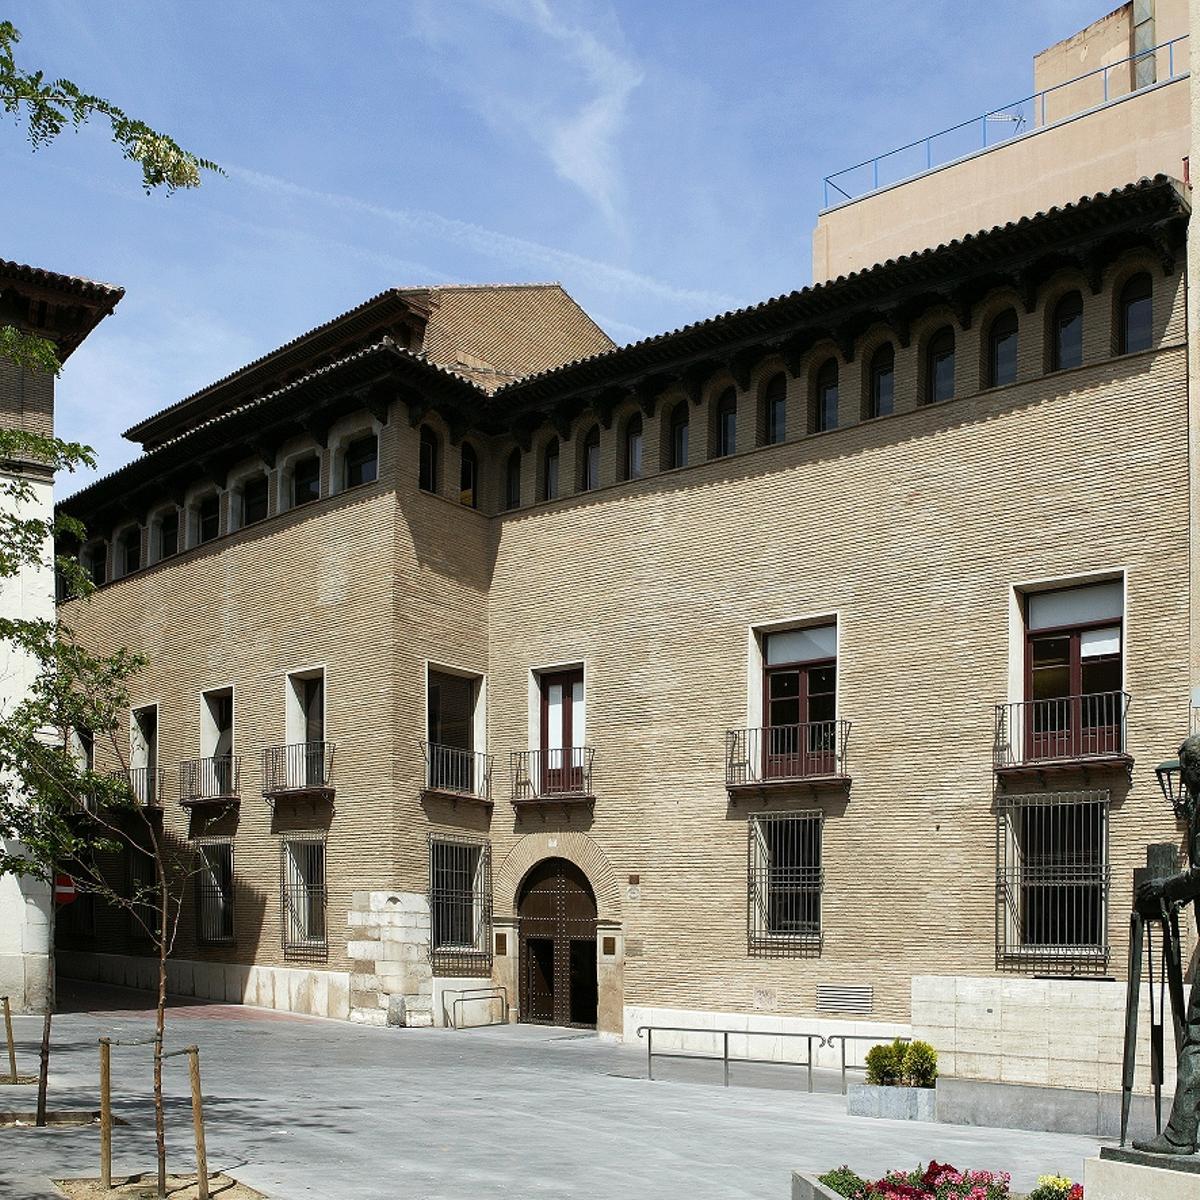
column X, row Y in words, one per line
column 998, row 125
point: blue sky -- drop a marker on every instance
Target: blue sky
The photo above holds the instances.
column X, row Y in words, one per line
column 662, row 159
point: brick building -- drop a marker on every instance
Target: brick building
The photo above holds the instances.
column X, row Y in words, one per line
column 802, row 668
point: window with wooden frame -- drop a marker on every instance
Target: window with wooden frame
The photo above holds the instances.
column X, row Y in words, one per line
column 214, row 891
column 1052, row 882
column 208, row 519
column 254, row 500
column 563, row 732
column 460, row 905
column 168, row 534
column 825, row 398
column 512, row 481
column 1135, row 314
column 1002, row 349
column 775, row 410
column 428, row 461
column 632, row 465
column 939, row 366
column 468, row 477
column 725, row 424
column 130, row 549
column 589, row 463
column 881, row 384
column 361, row 463
column 800, row 733
column 550, row 457
column 785, row 881
column 1066, row 333
column 1074, row 672
column 677, row 435
column 303, row 893
column 306, row 481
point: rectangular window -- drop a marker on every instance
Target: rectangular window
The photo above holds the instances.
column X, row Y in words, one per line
column 563, row 733
column 1052, row 882
column 362, row 461
column 452, row 764
column 786, row 878
column 303, row 887
column 209, row 518
column 800, row 731
column 217, row 774
column 143, row 755
column 254, row 500
column 214, row 892
column 460, row 906
column 168, row 535
column 145, row 912
column 306, row 481
column 131, row 551
column 1145, row 69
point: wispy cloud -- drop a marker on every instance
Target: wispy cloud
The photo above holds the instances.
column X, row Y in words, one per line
column 568, row 94
column 520, row 254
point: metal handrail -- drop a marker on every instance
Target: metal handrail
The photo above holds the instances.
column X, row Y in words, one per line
column 779, row 753
column 548, row 774
column 217, row 777
column 1003, row 113
column 458, row 772
column 146, row 784
column 724, row 1058
column 297, row 767
column 467, row 995
column 1062, row 729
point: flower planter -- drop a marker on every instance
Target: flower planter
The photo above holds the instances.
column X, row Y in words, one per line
column 892, row 1103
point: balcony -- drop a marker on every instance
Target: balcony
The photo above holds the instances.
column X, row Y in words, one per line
column 455, row 774
column 145, row 785
column 1070, row 732
column 774, row 757
column 541, row 777
column 300, row 770
column 210, row 781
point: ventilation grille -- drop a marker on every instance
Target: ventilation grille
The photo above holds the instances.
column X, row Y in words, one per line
column 845, row 998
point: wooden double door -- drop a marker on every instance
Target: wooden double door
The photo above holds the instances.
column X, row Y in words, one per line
column 557, row 912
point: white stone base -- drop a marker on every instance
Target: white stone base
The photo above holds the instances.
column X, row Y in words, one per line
column 473, row 1012
column 304, row 990
column 753, row 1039
column 391, row 982
column 1105, row 1179
column 25, row 974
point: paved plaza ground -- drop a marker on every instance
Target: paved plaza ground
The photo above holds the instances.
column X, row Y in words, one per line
column 301, row 1107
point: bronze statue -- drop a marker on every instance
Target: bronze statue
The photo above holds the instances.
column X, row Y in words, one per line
column 1166, row 896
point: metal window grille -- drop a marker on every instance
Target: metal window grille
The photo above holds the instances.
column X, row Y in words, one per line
column 145, row 916
column 460, row 906
column 785, row 882
column 1052, row 883
column 80, row 916
column 214, row 892
column 304, row 896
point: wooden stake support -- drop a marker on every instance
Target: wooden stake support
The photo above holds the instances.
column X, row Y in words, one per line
column 12, row 1046
column 193, row 1053
column 105, row 1113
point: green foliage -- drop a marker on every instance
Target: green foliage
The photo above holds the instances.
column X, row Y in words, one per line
column 1056, row 1187
column 28, row 351
column 50, row 106
column 911, row 1063
column 920, row 1065
column 843, row 1181
column 885, row 1063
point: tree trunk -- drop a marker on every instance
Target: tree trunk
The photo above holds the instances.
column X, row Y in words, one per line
column 160, row 1018
column 44, row 1066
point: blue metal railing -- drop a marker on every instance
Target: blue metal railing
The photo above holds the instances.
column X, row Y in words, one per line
column 968, row 137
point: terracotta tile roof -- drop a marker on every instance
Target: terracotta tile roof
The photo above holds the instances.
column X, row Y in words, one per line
column 76, row 305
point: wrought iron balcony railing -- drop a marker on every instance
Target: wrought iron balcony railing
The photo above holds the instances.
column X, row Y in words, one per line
column 453, row 772
column 811, row 752
column 299, row 768
column 563, row 775
column 145, row 784
column 210, row 780
column 1066, row 730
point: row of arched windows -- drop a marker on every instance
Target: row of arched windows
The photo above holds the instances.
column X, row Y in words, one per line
column 1133, row 333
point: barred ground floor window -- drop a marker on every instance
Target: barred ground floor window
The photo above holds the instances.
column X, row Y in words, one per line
column 785, row 882
column 214, row 892
column 143, row 895
column 1052, row 882
column 303, row 896
column 460, row 905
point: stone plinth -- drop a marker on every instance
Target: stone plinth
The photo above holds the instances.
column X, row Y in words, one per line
column 1132, row 1175
column 892, row 1103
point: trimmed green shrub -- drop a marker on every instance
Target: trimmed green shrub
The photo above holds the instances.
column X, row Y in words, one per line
column 920, row 1065
column 885, row 1063
column 844, row 1182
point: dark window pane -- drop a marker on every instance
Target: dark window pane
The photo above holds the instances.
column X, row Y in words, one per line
column 590, row 473
column 775, row 401
column 1100, row 674
column 827, row 397
column 427, row 474
column 97, row 565
column 131, row 551
column 254, row 500
column 940, row 382
column 306, row 481
column 168, row 535
column 210, row 518
column 1068, row 332
column 550, row 472
column 726, row 424
column 512, row 480
column 883, row 378
column 679, row 435
column 468, row 478
column 1136, row 314
column 362, row 461
column 633, row 449
column 1002, row 350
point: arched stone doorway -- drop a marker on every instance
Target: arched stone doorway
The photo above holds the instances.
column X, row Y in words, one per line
column 556, row 911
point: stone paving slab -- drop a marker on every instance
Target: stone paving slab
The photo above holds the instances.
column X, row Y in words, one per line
column 302, row 1107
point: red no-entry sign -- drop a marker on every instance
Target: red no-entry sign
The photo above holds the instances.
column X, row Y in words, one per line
column 64, row 889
